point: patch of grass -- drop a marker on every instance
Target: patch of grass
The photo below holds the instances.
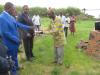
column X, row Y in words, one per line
column 74, row 73
column 56, row 71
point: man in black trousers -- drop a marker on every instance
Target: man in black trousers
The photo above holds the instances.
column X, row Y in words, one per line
column 27, row 36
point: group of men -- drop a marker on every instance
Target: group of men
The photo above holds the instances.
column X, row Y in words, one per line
column 9, row 34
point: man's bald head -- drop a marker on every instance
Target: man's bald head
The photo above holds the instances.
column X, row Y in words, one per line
column 8, row 5
column 10, row 8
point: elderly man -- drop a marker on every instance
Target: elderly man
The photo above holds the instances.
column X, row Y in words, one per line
column 58, row 36
column 9, row 33
column 27, row 36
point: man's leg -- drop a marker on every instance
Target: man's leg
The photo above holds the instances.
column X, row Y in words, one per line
column 4, row 73
column 65, row 30
column 38, row 27
column 26, row 47
column 56, row 54
column 35, row 27
column 13, row 53
column 60, row 54
column 31, row 46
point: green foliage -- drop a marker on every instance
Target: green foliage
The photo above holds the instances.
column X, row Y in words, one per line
column 73, row 11
column 58, row 11
column 1, row 8
column 69, row 11
column 19, row 9
column 74, row 73
column 85, row 17
column 38, row 10
column 56, row 71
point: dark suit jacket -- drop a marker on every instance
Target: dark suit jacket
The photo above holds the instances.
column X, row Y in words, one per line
column 25, row 19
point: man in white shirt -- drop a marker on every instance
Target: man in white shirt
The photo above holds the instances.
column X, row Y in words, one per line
column 36, row 21
column 65, row 22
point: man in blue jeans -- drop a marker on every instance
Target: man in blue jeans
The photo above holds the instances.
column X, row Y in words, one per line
column 9, row 32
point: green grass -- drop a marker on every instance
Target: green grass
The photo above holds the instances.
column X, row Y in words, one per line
column 76, row 62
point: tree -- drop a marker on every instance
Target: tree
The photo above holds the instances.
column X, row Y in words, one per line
column 73, row 11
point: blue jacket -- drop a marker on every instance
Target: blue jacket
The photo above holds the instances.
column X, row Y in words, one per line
column 9, row 30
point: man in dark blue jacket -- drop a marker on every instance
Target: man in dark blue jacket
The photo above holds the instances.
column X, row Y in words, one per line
column 9, row 32
column 27, row 36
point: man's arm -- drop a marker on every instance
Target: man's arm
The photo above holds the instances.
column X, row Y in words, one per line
column 6, row 33
column 26, row 28
column 23, row 26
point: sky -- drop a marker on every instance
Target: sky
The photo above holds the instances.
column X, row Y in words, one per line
column 88, row 4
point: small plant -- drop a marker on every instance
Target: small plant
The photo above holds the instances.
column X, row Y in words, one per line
column 56, row 71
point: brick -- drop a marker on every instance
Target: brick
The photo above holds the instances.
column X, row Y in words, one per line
column 93, row 47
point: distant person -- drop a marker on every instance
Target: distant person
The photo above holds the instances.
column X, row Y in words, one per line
column 9, row 33
column 65, row 22
column 36, row 21
column 28, row 37
column 49, row 10
column 72, row 24
column 33, row 18
column 58, row 37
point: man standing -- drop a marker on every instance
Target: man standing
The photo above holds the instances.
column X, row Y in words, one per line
column 36, row 21
column 9, row 33
column 65, row 22
column 58, row 36
column 27, row 36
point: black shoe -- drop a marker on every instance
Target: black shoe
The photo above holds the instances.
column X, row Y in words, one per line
column 33, row 56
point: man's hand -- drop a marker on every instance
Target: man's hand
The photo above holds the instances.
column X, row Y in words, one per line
column 31, row 30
